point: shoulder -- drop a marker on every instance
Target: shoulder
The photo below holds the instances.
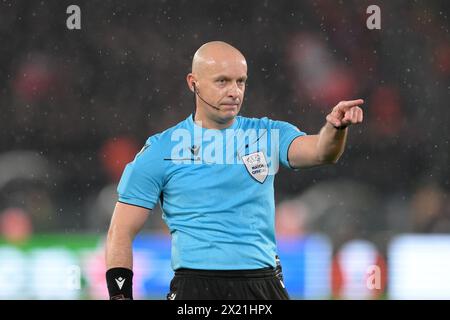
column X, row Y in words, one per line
column 157, row 146
column 164, row 139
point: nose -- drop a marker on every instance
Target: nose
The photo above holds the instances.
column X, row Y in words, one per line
column 233, row 91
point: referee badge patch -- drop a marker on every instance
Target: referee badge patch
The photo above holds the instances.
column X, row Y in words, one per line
column 256, row 165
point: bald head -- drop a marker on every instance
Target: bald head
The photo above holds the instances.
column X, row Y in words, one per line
column 218, row 77
column 216, row 54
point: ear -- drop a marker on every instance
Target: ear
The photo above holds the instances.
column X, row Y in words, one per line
column 190, row 79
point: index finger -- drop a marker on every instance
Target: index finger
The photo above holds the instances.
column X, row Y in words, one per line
column 345, row 105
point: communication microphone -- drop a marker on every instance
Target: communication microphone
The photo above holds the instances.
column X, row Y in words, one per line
column 196, row 92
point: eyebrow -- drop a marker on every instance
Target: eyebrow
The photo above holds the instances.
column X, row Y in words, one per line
column 228, row 78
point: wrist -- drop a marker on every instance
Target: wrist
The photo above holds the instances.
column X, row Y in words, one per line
column 340, row 127
column 120, row 283
column 330, row 125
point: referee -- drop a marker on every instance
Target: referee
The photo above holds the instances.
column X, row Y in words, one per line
column 213, row 175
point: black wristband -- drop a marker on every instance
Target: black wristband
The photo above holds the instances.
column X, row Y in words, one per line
column 120, row 283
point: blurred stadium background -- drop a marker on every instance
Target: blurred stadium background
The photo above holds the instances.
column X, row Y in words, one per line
column 77, row 105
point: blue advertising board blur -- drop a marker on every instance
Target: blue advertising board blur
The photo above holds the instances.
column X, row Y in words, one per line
column 306, row 265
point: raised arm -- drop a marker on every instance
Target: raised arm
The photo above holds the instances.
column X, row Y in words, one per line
column 327, row 146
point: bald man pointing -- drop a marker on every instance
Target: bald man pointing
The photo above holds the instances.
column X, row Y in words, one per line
column 213, row 176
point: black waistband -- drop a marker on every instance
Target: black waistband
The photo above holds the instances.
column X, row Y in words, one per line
column 254, row 273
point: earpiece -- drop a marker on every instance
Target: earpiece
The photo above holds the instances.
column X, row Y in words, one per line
column 198, row 94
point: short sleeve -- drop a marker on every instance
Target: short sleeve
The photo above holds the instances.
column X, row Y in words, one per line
column 286, row 133
column 142, row 179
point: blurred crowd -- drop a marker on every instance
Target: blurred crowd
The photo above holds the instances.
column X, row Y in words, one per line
column 77, row 105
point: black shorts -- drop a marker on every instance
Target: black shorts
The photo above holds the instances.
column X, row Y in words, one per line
column 260, row 284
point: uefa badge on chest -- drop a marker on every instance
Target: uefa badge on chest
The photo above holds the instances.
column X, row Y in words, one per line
column 256, row 165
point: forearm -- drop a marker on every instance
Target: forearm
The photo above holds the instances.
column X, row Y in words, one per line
column 331, row 143
column 119, row 251
column 126, row 222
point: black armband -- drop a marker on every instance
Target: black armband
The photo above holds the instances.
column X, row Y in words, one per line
column 120, row 283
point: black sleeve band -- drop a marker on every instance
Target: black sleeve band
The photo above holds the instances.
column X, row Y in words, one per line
column 120, row 283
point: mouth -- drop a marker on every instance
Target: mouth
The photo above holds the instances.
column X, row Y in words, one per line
column 230, row 106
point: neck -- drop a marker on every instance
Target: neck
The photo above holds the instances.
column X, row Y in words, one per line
column 206, row 122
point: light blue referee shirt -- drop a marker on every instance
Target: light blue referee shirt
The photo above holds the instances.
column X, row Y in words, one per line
column 215, row 188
